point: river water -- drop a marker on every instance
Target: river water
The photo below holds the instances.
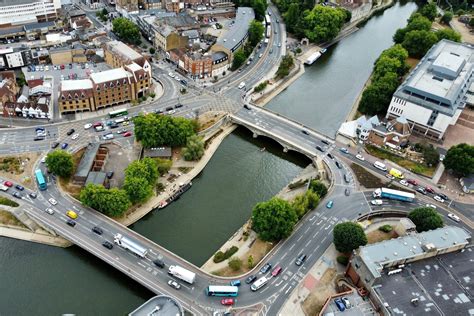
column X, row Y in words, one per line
column 43, row 280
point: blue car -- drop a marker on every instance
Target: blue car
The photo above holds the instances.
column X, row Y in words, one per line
column 235, row 283
column 329, row 204
column 64, row 146
column 340, row 304
column 344, row 150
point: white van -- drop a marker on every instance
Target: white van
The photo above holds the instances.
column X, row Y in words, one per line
column 259, row 283
column 380, row 166
column 242, row 85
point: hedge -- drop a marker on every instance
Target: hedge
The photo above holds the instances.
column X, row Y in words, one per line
column 221, row 256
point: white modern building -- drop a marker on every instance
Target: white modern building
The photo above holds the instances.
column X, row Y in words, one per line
column 18, row 12
column 437, row 90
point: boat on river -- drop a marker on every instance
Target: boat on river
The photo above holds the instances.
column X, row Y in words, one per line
column 183, row 187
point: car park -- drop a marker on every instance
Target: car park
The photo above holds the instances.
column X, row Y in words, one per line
column 360, row 157
column 276, row 271
column 88, row 125
column 266, row 268
column 97, row 230
column 64, row 145
column 404, row 182
column 75, row 136
column 174, row 284
column 52, row 201
column 54, row 145
column 33, row 195
column 343, row 150
column 454, row 217
column 19, row 187
column 376, row 202
column 250, row 279
column 438, row 198
column 108, row 245
column 227, row 301
column 235, row 283
column 329, row 204
column 49, row 211
column 71, row 223
column 300, row 260
column 70, row 132
column 159, row 263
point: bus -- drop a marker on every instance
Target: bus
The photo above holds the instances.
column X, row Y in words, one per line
column 222, row 290
column 267, row 19
column 259, row 283
column 40, row 180
column 269, row 31
column 118, row 113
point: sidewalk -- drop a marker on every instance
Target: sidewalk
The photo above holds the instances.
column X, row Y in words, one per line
column 40, row 236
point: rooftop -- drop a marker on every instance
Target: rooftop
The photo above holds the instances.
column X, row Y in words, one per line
column 95, row 177
column 87, row 160
column 158, row 152
column 440, row 80
column 134, row 67
column 376, row 256
column 122, row 49
column 159, row 306
column 71, row 85
column 109, row 75
column 238, row 31
column 38, row 25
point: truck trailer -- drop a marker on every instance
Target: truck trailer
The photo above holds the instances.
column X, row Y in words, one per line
column 182, row 274
column 393, row 195
column 130, row 245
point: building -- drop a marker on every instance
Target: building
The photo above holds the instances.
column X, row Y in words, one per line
column 467, row 184
column 196, row 65
column 393, row 134
column 76, row 96
column 117, row 54
column 168, row 38
column 150, row 4
column 435, row 92
column 18, row 12
column 93, row 160
column 8, row 88
column 11, row 58
column 127, row 7
column 160, row 305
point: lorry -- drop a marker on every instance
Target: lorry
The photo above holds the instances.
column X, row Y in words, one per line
column 131, row 245
column 393, row 195
column 396, row 173
column 182, row 274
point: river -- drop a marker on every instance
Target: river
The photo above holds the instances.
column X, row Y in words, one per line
column 42, row 280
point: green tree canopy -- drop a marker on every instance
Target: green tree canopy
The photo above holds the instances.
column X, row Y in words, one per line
column 386, row 65
column 449, row 34
column 377, row 96
column 323, row 23
column 447, row 17
column 256, row 31
column 163, row 165
column 429, row 11
column 194, row 149
column 460, row 159
column 138, row 189
column 126, row 30
column 348, row 236
column 417, row 43
column 305, row 202
column 318, row 187
column 146, row 169
column 60, row 163
column 418, row 23
column 425, row 218
column 396, row 51
column 239, row 59
column 113, row 202
column 285, row 65
column 274, row 219
column 292, row 17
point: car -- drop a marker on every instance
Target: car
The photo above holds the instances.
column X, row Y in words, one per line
column 421, row 190
column 330, row 204
column 114, row 125
column 109, row 123
column 75, row 136
column 108, row 244
column 344, row 150
column 431, row 206
column 266, row 268
column 376, row 202
column 388, row 175
column 97, row 230
column 346, row 302
column 17, row 194
column 250, row 279
column 108, row 136
column 235, row 283
column 174, row 284
column 430, row 190
column 360, row 157
column 177, row 78
column 52, row 201
column 19, row 187
column 260, row 55
column 339, row 304
column 159, row 263
column 454, row 217
column 71, row 223
column 324, row 142
column 443, row 196
column 227, row 301
column 121, row 131
column 279, row 44
column 99, row 128
column 305, row 132
column 412, row 182
column 54, row 145
column 347, row 192
column 49, row 211
column 438, row 198
column 64, row 145
column 127, row 134
column 278, row 21
column 338, row 164
column 126, row 123
column 276, row 271
column 404, row 182
column 346, row 178
column 320, row 148
column 330, row 155
column 70, row 132
column 177, row 106
column 96, row 124
column 8, row 184
column 247, row 107
column 71, row 214
column 300, row 260
column 88, row 125
column 38, row 138
column 33, row 195
column 109, row 174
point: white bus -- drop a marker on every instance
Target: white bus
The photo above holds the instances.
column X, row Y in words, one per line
column 259, row 283
column 269, row 31
column 222, row 290
column 380, row 166
column 267, row 19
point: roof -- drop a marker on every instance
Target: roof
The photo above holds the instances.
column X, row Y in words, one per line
column 70, row 85
column 468, row 182
column 376, row 256
column 348, row 129
column 38, row 25
column 218, row 55
column 158, row 152
column 181, row 20
column 134, row 67
column 87, row 160
column 11, row 30
column 438, row 81
column 191, row 33
column 96, row 177
column 109, row 75
column 122, row 49
column 160, row 306
column 238, row 31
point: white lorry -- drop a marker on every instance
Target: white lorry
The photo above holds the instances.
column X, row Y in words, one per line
column 130, row 245
column 182, row 274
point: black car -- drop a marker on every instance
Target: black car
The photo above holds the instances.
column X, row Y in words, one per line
column 338, row 164
column 70, row 132
column 266, row 268
column 305, row 132
column 71, row 223
column 54, row 145
column 177, row 106
column 107, row 245
column 346, row 178
column 169, row 108
column 97, row 230
column 347, row 192
column 301, row 258
column 33, row 195
column 443, row 196
column 320, row 148
column 251, row 279
column 159, row 111
column 159, row 263
column 19, row 187
column 330, row 156
column 110, row 174
column 324, row 142
column 246, row 107
column 114, row 125
column 37, row 138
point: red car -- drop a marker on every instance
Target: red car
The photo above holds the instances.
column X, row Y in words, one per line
column 430, row 189
column 412, row 182
column 276, row 271
column 227, row 301
column 8, row 184
column 97, row 124
column 127, row 134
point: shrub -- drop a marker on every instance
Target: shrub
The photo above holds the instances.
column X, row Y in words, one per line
column 229, row 252
column 235, row 263
column 386, row 228
column 218, row 257
column 221, row 256
column 318, row 187
column 250, row 263
column 297, row 184
column 342, row 260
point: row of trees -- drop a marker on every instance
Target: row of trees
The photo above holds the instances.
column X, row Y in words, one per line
column 258, row 6
column 111, row 202
column 286, row 64
column 126, row 30
column 163, row 130
column 460, row 159
column 140, row 179
column 256, row 30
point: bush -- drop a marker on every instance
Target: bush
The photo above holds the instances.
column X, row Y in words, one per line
column 8, row 202
column 297, row 184
column 261, row 86
column 386, row 228
column 285, row 65
column 298, row 50
column 235, row 264
column 318, row 187
column 447, row 17
column 344, row 260
column 250, row 263
column 218, row 257
column 221, row 256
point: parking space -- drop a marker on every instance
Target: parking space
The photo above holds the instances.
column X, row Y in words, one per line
column 117, row 161
column 358, row 307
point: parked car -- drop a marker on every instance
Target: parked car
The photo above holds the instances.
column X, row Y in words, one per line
column 70, row 132
column 330, row 204
column 88, row 125
column 127, row 134
column 108, row 244
column 19, row 187
column 388, row 175
column 75, row 136
column 300, row 260
column 344, row 150
column 438, row 198
column 97, row 230
column 276, row 271
column 227, row 301
column 360, row 157
column 174, row 284
column 454, row 217
column 346, row 302
column 266, row 268
column 432, row 206
column 64, row 145
column 250, row 279
column 339, row 304
column 52, row 201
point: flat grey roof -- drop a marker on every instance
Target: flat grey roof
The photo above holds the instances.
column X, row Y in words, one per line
column 12, row 30
column 96, row 177
column 158, row 152
column 441, row 79
column 238, row 31
column 159, row 306
column 38, row 25
column 87, row 160
column 5, row 3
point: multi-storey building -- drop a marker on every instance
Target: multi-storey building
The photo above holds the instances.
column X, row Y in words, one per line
column 117, row 54
column 18, row 12
column 127, row 7
column 196, row 65
column 14, row 57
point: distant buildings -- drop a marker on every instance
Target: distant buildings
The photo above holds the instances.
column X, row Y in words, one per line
column 11, row 58
column 18, row 12
column 437, row 90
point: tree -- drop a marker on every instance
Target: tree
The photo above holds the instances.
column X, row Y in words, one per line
column 126, row 30
column 20, row 80
column 471, row 22
column 348, row 236
column 447, row 17
column 194, row 149
column 138, row 189
column 318, row 187
column 259, row 7
column 429, row 11
column 449, row 34
column 146, row 169
column 417, row 43
column 60, row 163
column 430, row 155
column 399, row 35
column 256, row 31
column 376, row 97
column 163, row 165
column 274, row 219
column 292, row 16
column 235, row 263
column 419, row 23
column 425, row 218
column 152, row 50
column 460, row 159
column 285, row 65
column 305, row 202
column 250, row 263
column 386, row 65
column 113, row 202
column 239, row 59
column 323, row 23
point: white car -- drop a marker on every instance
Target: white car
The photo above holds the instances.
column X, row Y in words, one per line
column 75, row 136
column 438, row 198
column 43, row 160
column 431, row 205
column 174, row 284
column 404, row 182
column 376, row 202
column 53, row 201
column 177, row 78
column 49, row 211
column 171, row 75
column 88, row 125
column 360, row 157
column 172, row 112
column 454, row 217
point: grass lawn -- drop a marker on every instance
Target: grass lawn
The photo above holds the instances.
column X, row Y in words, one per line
column 7, row 218
column 365, row 178
column 8, row 202
column 414, row 167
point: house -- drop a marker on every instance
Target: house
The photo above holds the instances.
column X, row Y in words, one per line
column 168, row 38
column 394, row 133
column 365, row 125
column 195, row 64
column 467, row 183
column 8, row 87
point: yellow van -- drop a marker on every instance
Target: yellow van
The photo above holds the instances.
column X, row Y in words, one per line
column 71, row 214
column 396, row 173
